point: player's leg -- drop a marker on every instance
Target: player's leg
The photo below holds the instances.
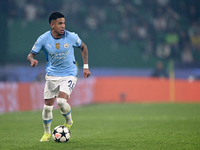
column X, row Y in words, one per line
column 65, row 109
column 47, row 116
column 50, row 93
column 66, row 88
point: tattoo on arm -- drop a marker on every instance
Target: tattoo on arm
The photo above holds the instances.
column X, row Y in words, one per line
column 84, row 53
column 30, row 57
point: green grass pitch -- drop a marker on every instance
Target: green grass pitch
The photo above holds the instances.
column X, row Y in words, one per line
column 109, row 127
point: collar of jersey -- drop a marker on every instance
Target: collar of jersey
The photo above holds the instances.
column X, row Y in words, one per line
column 65, row 34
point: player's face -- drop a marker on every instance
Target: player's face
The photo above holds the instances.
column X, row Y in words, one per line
column 58, row 26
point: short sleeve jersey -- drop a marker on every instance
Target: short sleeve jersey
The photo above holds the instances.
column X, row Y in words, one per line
column 59, row 53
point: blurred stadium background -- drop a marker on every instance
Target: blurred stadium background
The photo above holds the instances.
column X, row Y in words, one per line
column 126, row 38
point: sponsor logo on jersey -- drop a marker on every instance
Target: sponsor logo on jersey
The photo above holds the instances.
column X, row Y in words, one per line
column 57, row 45
column 59, row 55
column 66, row 45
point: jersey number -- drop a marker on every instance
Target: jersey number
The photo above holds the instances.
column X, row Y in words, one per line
column 70, row 85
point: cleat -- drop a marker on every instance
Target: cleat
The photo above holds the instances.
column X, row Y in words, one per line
column 68, row 125
column 46, row 137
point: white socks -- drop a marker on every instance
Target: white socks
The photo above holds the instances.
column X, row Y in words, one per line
column 65, row 109
column 47, row 118
column 47, row 114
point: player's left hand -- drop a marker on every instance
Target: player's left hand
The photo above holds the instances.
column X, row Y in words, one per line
column 86, row 73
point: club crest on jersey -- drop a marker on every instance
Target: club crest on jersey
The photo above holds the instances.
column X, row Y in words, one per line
column 66, row 45
column 57, row 45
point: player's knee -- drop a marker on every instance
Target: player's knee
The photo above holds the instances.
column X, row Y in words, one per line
column 63, row 105
column 61, row 101
column 48, row 108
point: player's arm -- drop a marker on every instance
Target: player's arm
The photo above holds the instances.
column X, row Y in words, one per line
column 31, row 59
column 84, row 53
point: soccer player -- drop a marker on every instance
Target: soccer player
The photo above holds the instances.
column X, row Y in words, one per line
column 61, row 71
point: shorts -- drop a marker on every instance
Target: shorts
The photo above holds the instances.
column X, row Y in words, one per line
column 56, row 84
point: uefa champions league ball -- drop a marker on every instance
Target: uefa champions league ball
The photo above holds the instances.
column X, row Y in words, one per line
column 61, row 134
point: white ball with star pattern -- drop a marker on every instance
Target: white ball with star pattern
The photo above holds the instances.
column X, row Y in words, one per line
column 61, row 134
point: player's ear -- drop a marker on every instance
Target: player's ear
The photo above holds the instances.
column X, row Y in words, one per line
column 52, row 24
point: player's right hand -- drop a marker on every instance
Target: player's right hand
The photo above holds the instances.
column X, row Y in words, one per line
column 86, row 73
column 34, row 62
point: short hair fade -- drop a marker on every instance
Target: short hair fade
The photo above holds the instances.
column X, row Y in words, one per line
column 55, row 15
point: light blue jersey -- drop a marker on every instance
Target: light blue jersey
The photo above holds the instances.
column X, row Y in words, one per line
column 59, row 53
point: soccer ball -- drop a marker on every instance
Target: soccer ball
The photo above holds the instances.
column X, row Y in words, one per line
column 61, row 134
